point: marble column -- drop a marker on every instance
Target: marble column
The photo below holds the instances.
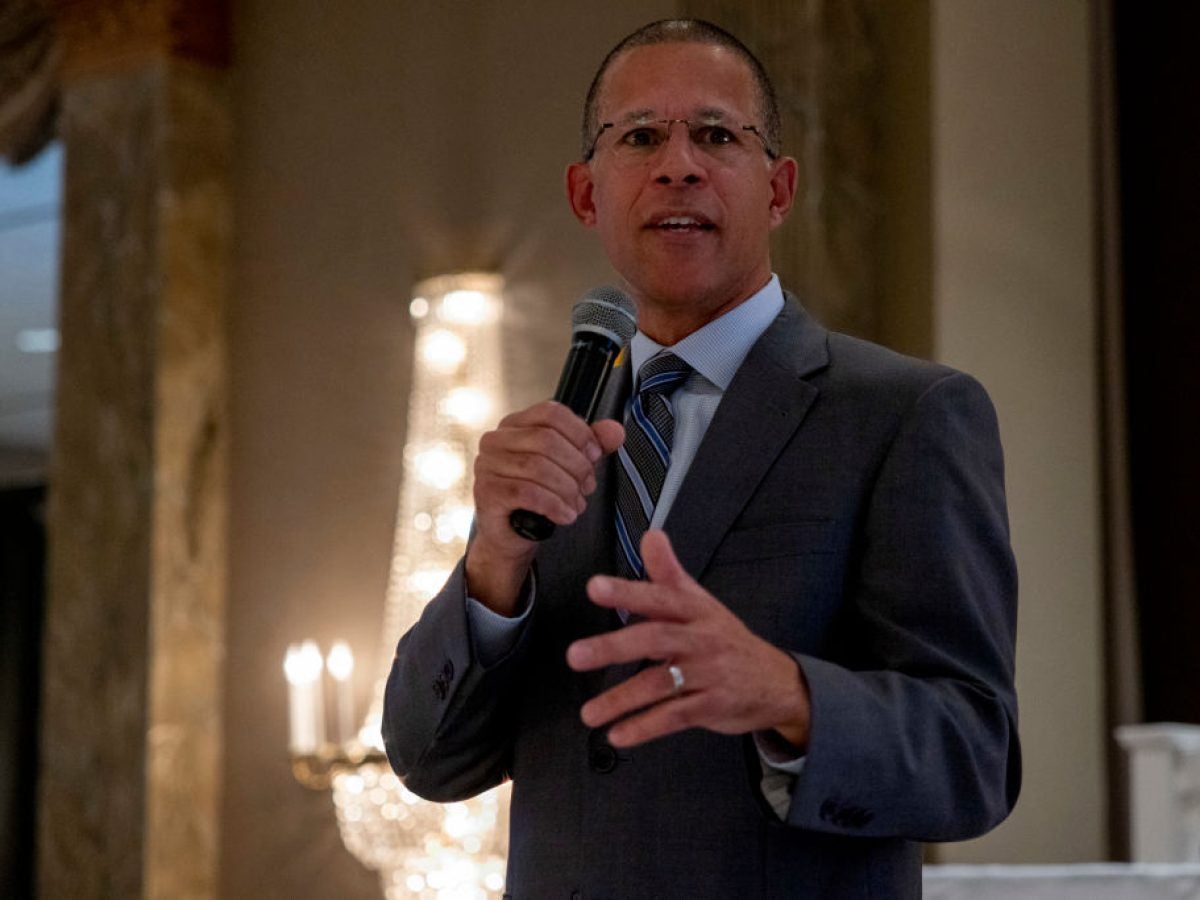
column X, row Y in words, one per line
column 135, row 619
column 824, row 59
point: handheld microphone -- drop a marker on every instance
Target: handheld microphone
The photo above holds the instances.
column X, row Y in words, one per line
column 602, row 323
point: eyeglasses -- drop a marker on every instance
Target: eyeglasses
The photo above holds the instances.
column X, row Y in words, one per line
column 638, row 141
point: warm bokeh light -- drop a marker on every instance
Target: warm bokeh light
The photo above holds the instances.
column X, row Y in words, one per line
column 443, row 351
column 466, row 307
column 466, row 406
column 439, row 466
column 303, row 663
column 340, row 661
column 427, row 582
column 454, row 524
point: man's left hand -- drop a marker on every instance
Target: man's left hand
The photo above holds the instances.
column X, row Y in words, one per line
column 732, row 681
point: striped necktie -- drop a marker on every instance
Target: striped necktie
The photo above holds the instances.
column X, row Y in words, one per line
column 645, row 456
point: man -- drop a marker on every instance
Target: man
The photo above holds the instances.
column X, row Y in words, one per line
column 808, row 667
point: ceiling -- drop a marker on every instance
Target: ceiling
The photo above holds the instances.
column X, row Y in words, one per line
column 30, row 198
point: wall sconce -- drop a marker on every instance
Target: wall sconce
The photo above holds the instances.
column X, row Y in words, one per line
column 420, row 849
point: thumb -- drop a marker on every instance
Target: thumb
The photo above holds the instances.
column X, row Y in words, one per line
column 662, row 565
column 609, row 433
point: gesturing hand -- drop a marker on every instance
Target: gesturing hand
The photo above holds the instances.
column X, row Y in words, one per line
column 732, row 681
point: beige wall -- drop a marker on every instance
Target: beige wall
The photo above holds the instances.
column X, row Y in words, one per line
column 374, row 148
column 1014, row 303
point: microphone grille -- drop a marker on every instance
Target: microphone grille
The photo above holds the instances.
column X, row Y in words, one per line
column 607, row 310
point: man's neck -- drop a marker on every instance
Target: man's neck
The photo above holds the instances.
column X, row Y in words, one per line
column 668, row 324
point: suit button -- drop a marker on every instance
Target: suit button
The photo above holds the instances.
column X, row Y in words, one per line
column 602, row 758
column 441, row 684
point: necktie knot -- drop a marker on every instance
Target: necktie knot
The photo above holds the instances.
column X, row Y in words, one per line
column 662, row 374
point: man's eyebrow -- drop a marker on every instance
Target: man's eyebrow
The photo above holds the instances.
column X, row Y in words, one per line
column 637, row 115
column 703, row 113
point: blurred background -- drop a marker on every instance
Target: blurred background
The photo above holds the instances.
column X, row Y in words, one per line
column 212, row 218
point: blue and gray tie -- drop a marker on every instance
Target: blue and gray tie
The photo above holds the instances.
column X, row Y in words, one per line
column 645, row 456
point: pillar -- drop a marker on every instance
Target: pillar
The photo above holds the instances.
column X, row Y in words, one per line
column 131, row 740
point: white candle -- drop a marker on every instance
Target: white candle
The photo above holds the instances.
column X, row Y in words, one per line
column 340, row 664
column 306, row 706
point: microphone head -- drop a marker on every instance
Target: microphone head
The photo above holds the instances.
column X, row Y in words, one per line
column 606, row 311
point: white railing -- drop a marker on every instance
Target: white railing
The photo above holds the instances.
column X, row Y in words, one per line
column 1093, row 881
column 1164, row 791
column 1164, row 829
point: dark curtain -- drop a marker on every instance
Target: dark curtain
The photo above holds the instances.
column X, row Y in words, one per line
column 22, row 588
column 1158, row 113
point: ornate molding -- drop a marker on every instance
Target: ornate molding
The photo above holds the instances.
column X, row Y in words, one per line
column 101, row 36
column 29, row 65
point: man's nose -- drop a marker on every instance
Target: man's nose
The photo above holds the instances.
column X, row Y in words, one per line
column 677, row 160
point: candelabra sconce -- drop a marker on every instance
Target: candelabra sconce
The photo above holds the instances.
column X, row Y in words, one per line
column 316, row 760
column 420, row 849
column 316, row 771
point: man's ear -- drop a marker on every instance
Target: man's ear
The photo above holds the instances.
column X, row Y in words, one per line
column 579, row 192
column 785, row 172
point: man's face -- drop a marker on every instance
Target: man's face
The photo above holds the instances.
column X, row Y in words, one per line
column 687, row 228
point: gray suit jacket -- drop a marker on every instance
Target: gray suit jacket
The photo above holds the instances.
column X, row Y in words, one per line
column 848, row 504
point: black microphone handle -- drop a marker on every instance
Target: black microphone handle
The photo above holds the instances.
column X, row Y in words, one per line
column 583, row 378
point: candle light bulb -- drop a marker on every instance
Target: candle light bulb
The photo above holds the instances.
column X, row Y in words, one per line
column 340, row 661
column 299, row 665
column 310, row 661
column 289, row 663
column 340, row 664
column 302, row 665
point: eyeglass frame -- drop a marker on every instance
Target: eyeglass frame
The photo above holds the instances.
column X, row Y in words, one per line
column 604, row 126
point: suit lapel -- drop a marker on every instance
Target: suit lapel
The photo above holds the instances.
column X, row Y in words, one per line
column 761, row 410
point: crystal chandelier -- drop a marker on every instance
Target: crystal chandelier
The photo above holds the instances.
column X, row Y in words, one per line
column 421, row 849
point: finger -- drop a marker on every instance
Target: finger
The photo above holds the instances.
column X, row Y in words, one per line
column 609, row 433
column 498, row 497
column 538, row 442
column 651, row 601
column 644, row 640
column 662, row 565
column 555, row 415
column 688, row 710
column 540, row 471
column 652, row 685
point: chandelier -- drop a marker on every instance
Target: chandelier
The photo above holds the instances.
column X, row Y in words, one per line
column 421, row 849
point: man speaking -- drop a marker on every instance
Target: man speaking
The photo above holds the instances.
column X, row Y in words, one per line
column 769, row 646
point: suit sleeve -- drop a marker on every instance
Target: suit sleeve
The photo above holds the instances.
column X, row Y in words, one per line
column 914, row 726
column 446, row 717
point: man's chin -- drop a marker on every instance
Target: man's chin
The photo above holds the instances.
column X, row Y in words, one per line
column 684, row 287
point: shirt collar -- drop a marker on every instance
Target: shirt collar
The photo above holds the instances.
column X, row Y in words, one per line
column 717, row 349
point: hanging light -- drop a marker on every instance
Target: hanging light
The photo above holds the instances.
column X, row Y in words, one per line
column 422, row 849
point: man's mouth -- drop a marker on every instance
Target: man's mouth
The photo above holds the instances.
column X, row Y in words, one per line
column 681, row 224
